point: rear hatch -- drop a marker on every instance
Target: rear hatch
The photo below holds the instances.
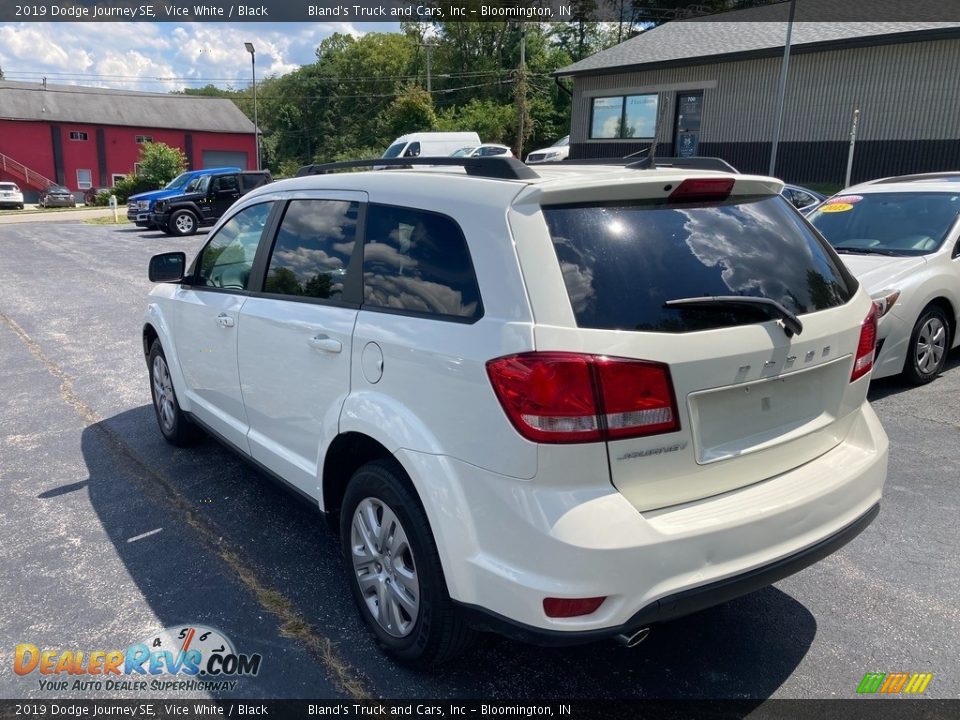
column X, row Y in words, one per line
column 754, row 395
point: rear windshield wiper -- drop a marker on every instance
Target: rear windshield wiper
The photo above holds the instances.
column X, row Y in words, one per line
column 791, row 323
column 864, row 251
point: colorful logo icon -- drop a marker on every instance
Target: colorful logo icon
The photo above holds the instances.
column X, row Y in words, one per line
column 894, row 683
column 193, row 652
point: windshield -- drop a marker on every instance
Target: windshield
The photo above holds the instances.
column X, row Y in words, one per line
column 462, row 152
column 893, row 223
column 394, row 150
column 178, row 182
column 622, row 263
column 198, row 184
column 562, row 141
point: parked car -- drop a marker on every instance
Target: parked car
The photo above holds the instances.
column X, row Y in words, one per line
column 484, row 150
column 900, row 237
column 141, row 205
column 10, row 196
column 204, row 200
column 532, row 437
column 803, row 199
column 430, row 144
column 560, row 150
column 57, row 196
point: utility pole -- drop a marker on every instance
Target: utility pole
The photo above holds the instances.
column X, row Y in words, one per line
column 781, row 90
column 429, row 67
column 853, row 141
column 521, row 93
column 256, row 125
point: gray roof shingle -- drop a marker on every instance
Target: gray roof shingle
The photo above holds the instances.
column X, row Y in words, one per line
column 99, row 106
column 684, row 40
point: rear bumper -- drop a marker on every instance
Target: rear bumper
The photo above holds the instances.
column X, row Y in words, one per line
column 681, row 603
column 507, row 544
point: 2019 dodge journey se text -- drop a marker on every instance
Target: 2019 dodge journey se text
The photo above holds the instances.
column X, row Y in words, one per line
column 562, row 404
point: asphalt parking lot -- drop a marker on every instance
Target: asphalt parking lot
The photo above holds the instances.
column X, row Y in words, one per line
column 87, row 482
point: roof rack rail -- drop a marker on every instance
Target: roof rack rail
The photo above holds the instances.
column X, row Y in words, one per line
column 919, row 177
column 687, row 163
column 498, row 168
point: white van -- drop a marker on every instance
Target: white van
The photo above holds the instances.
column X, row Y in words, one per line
column 430, row 144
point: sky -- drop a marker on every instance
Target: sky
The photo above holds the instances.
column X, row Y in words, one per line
column 160, row 57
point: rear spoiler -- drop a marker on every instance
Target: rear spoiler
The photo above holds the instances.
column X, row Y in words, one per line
column 647, row 163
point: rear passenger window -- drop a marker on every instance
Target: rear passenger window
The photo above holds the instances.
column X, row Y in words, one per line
column 418, row 262
column 225, row 183
column 313, row 249
column 226, row 260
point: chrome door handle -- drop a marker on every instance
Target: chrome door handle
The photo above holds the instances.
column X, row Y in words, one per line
column 325, row 343
column 224, row 320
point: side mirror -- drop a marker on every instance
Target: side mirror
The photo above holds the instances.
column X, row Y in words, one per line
column 167, row 267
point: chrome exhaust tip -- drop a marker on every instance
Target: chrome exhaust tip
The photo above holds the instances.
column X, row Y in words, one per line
column 632, row 639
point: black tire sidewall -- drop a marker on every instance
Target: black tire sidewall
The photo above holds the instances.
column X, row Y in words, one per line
column 913, row 371
column 379, row 481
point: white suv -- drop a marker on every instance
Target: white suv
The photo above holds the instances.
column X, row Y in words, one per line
column 563, row 405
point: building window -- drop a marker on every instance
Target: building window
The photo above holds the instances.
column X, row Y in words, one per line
column 137, row 169
column 84, row 179
column 624, row 116
column 144, row 139
column 77, row 135
column 115, row 178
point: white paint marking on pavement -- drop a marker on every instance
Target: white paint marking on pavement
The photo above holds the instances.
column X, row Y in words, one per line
column 144, row 535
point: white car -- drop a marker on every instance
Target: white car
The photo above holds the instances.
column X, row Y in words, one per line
column 484, row 150
column 563, row 404
column 10, row 196
column 560, row 150
column 901, row 238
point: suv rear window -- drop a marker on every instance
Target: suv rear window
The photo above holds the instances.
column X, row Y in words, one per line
column 621, row 263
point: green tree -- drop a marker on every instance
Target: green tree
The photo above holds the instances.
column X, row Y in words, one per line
column 411, row 111
column 159, row 163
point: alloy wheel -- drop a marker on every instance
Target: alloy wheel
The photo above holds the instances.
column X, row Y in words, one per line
column 163, row 396
column 385, row 568
column 931, row 345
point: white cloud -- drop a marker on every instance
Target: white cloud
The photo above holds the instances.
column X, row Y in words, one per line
column 135, row 55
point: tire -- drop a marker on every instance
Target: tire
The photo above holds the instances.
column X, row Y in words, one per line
column 929, row 346
column 182, row 223
column 174, row 424
column 421, row 627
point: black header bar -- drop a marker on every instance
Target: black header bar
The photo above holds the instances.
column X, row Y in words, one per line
column 368, row 11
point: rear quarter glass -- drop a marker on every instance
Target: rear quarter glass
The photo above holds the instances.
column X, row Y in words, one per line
column 622, row 262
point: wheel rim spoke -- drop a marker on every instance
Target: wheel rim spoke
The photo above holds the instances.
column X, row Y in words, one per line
column 931, row 346
column 384, row 566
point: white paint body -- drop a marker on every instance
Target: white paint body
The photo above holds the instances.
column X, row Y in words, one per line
column 516, row 521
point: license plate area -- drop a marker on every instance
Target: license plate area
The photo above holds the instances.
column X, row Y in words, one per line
column 746, row 418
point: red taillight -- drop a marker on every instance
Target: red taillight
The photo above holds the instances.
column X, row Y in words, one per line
column 555, row 397
column 866, row 348
column 702, row 189
column 571, row 607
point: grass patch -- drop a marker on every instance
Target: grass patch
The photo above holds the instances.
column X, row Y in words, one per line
column 827, row 189
column 108, row 220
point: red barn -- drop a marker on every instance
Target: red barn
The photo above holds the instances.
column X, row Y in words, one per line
column 84, row 137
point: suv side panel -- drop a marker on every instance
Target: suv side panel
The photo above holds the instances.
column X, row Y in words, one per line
column 294, row 345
